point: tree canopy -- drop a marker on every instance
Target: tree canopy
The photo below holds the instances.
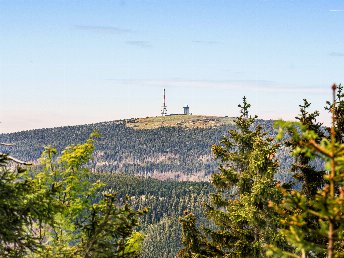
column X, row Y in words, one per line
column 54, row 210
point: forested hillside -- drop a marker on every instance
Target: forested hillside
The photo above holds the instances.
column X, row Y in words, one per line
column 173, row 152
column 169, row 152
column 166, row 201
column 245, row 200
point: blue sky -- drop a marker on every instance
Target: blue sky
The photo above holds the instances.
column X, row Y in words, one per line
column 65, row 62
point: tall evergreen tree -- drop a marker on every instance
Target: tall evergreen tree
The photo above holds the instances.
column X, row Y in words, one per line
column 309, row 219
column 243, row 222
column 306, row 173
column 337, row 108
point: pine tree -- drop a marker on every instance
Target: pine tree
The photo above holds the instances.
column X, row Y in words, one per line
column 243, row 222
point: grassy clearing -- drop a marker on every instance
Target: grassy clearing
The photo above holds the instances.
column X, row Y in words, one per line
column 185, row 121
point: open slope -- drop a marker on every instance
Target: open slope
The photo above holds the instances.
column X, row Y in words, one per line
column 184, row 121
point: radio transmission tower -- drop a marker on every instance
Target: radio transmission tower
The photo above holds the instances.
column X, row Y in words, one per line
column 164, row 107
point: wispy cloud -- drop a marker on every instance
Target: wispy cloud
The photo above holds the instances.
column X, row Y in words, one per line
column 336, row 10
column 244, row 85
column 103, row 29
column 139, row 43
column 336, row 54
column 205, row 42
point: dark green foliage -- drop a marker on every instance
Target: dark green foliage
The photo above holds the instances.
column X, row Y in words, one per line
column 306, row 173
column 162, row 239
column 195, row 243
column 107, row 228
column 244, row 186
column 166, row 201
column 129, row 151
column 337, row 106
column 239, row 222
column 22, row 205
column 167, row 152
column 162, row 198
column 312, row 221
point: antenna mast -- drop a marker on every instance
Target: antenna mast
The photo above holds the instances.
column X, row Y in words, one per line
column 164, row 107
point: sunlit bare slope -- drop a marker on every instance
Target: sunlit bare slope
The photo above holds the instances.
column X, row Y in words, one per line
column 185, row 121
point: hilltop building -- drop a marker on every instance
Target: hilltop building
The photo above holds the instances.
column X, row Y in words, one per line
column 164, row 108
column 186, row 110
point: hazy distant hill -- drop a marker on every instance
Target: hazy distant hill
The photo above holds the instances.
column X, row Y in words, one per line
column 177, row 147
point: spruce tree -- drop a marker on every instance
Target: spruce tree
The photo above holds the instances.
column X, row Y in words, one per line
column 337, row 107
column 306, row 173
column 308, row 220
column 242, row 221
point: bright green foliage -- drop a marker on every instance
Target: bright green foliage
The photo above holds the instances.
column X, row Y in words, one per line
column 245, row 184
column 134, row 244
column 83, row 227
column 324, row 211
column 166, row 201
column 61, row 212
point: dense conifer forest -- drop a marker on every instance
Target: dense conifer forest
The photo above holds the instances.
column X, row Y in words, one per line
column 166, row 152
column 171, row 129
column 166, row 201
column 241, row 190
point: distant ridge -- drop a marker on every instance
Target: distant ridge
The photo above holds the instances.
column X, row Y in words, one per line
column 170, row 147
column 185, row 121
